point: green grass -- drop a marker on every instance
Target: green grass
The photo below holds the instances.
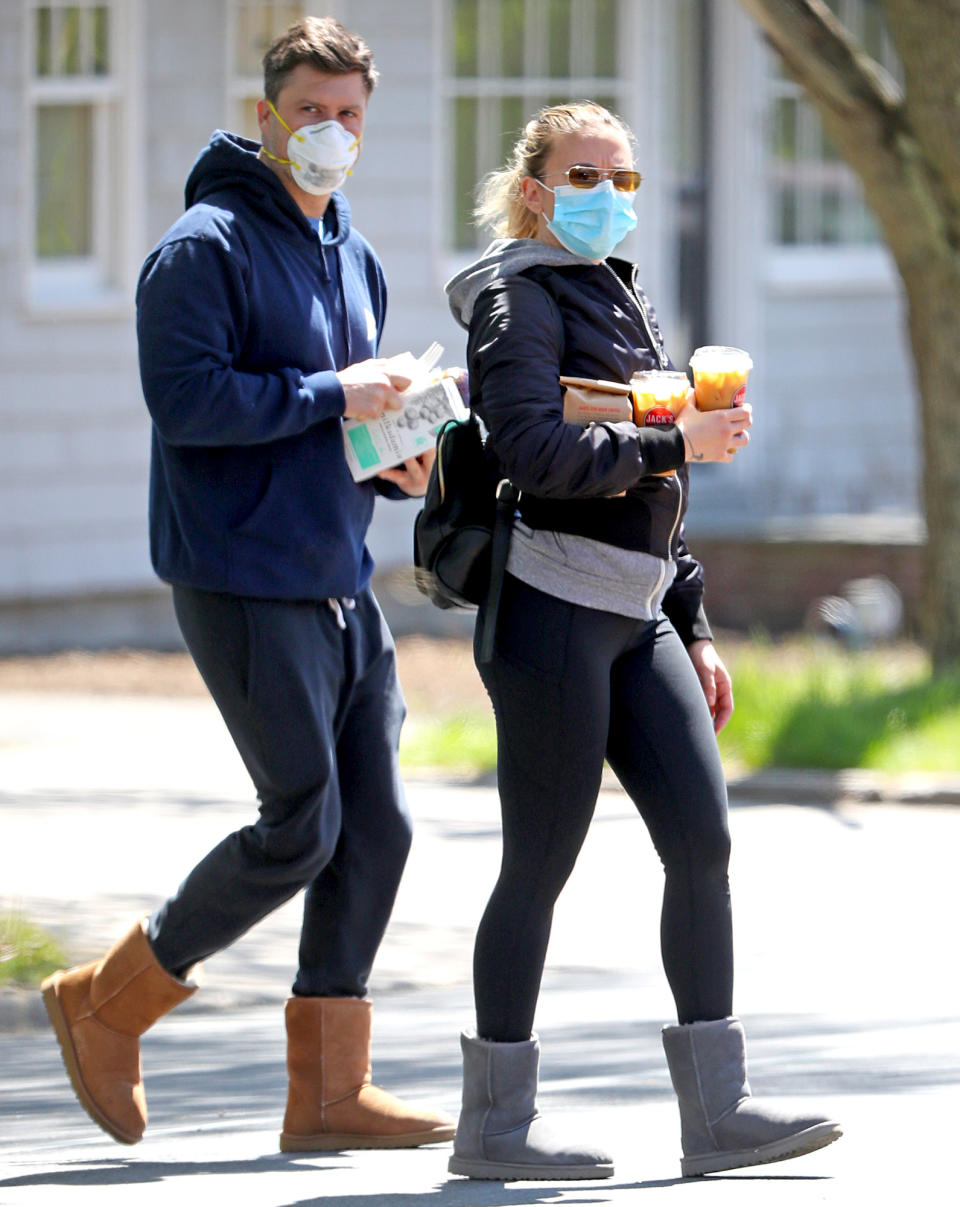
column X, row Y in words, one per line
column 812, row 704
column 27, row 953
column 464, row 743
column 801, row 703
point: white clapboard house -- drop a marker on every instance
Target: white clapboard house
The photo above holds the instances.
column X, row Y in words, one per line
column 751, row 233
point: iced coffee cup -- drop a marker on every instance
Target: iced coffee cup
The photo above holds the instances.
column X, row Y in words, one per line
column 720, row 377
column 657, row 397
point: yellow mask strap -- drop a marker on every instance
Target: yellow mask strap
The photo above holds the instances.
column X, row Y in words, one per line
column 283, row 123
column 270, row 154
column 299, row 137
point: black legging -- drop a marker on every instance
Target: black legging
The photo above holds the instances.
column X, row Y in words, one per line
column 571, row 685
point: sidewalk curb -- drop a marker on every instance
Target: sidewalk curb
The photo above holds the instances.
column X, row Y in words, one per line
column 797, row 787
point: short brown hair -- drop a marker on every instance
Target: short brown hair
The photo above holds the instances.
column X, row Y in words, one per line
column 323, row 43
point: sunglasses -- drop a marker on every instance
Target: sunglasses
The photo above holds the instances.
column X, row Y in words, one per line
column 583, row 176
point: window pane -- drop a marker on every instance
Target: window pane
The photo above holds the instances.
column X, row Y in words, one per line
column 72, row 41
column 785, row 128
column 785, row 218
column 512, row 37
column 466, row 109
column 496, row 43
column 558, row 39
column 465, row 37
column 66, row 46
column 101, row 40
column 513, row 117
column 64, row 155
column 43, row 33
column 606, row 37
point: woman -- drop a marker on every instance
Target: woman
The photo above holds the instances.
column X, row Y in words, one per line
column 602, row 651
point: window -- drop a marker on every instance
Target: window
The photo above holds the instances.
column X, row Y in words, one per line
column 507, row 58
column 76, row 244
column 255, row 25
column 815, row 197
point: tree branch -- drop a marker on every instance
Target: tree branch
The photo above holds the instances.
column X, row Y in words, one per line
column 927, row 38
column 818, row 52
column 864, row 112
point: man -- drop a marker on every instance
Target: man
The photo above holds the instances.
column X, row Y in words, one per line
column 258, row 318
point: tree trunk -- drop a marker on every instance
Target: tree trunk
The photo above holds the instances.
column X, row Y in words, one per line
column 906, row 149
column 934, row 302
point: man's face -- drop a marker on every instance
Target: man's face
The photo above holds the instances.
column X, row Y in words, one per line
column 309, row 96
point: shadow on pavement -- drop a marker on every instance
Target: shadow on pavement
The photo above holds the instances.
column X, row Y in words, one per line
column 453, row 1192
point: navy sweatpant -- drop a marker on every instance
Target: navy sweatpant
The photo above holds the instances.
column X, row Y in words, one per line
column 315, row 711
column 571, row 686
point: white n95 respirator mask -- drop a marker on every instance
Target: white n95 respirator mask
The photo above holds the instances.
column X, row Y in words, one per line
column 320, row 156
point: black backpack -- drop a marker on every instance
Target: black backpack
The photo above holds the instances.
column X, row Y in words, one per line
column 462, row 535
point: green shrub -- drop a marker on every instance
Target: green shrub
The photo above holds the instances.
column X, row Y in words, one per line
column 27, row 953
column 810, row 704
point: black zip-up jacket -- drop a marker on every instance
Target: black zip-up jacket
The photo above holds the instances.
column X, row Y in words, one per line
column 535, row 313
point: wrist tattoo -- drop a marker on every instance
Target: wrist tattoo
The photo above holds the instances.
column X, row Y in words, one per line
column 694, row 455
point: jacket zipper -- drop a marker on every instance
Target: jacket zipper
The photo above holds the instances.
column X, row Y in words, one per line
column 660, row 354
column 655, row 346
column 676, row 520
column 656, row 590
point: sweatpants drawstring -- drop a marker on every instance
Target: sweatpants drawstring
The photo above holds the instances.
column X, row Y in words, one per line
column 337, row 607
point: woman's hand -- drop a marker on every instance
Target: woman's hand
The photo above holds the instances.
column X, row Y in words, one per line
column 714, row 678
column 413, row 475
column 714, row 435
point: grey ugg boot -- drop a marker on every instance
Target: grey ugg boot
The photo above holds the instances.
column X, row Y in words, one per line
column 721, row 1126
column 501, row 1135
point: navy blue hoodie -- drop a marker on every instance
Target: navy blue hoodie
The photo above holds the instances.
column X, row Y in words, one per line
column 243, row 317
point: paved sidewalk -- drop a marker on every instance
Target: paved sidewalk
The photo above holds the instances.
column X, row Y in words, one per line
column 847, row 983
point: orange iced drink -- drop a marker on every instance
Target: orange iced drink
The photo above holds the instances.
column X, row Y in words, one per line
column 720, row 377
column 657, row 396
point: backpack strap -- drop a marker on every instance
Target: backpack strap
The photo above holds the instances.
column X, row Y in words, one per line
column 507, row 496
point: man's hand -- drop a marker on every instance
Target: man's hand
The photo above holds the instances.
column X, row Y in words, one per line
column 413, row 475
column 715, row 681
column 369, row 390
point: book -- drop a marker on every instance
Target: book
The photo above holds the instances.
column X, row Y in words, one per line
column 430, row 401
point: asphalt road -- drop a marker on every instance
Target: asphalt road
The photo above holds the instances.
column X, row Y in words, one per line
column 847, row 983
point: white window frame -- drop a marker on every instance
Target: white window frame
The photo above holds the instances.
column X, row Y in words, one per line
column 243, row 87
column 102, row 283
column 531, row 86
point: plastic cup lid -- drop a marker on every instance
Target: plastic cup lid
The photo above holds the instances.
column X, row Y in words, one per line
column 717, row 354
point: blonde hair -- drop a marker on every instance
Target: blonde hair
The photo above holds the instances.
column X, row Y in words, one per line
column 500, row 204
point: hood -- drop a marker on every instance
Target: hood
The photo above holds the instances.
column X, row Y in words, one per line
column 503, row 258
column 229, row 161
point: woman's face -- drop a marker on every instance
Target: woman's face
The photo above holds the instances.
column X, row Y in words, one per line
column 600, row 147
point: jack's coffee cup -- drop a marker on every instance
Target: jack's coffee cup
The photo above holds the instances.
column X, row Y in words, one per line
column 658, row 395
column 720, row 377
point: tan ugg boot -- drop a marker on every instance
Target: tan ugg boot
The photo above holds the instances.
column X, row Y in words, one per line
column 99, row 1011
column 330, row 1102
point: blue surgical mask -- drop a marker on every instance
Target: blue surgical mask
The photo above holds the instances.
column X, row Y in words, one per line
column 591, row 222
